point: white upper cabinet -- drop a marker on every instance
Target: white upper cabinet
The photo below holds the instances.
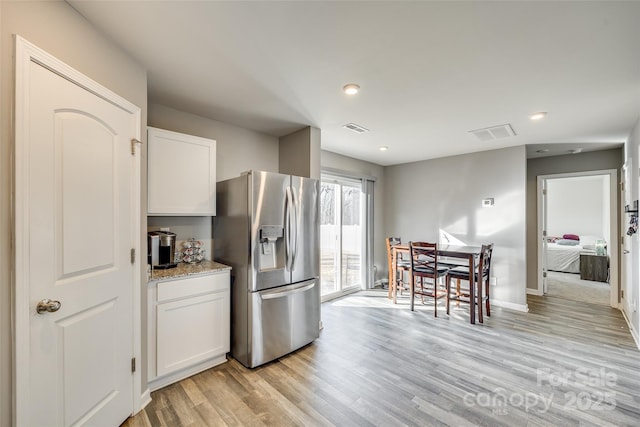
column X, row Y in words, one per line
column 181, row 174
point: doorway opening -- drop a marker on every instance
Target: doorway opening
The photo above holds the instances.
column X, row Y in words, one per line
column 578, row 238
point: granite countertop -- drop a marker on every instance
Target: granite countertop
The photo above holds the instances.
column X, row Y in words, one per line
column 184, row 270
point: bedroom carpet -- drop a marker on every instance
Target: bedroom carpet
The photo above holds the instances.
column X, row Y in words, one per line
column 569, row 286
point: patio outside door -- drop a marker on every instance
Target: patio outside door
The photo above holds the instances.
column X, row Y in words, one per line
column 342, row 235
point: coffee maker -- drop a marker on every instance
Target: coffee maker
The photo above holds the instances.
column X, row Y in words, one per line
column 161, row 249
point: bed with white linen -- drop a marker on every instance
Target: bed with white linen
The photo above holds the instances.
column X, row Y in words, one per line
column 566, row 258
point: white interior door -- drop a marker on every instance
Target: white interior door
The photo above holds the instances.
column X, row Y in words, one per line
column 545, row 237
column 74, row 190
column 626, row 246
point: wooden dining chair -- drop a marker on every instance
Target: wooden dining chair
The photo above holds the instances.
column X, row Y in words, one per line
column 425, row 273
column 402, row 267
column 482, row 279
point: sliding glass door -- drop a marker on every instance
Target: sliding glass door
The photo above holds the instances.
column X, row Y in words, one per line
column 342, row 235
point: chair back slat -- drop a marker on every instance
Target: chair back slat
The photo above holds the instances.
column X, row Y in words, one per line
column 424, row 255
column 425, row 273
column 391, row 241
column 484, row 265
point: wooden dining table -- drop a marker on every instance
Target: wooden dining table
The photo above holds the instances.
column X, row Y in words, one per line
column 468, row 253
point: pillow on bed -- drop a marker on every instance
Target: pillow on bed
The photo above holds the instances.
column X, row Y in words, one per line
column 571, row 237
column 567, row 242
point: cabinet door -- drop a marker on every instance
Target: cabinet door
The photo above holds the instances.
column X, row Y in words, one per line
column 181, row 174
column 192, row 330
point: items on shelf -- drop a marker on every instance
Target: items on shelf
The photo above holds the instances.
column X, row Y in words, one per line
column 192, row 251
column 633, row 225
column 601, row 247
column 632, row 208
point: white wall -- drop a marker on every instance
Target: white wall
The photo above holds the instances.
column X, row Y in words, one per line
column 58, row 29
column 577, row 205
column 360, row 167
column 606, row 209
column 425, row 198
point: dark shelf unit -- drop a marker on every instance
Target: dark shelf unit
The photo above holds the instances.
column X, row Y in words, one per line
column 632, row 208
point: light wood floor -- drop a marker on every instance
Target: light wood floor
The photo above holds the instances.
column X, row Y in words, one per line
column 376, row 364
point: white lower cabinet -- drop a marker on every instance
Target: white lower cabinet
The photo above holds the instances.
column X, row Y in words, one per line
column 188, row 327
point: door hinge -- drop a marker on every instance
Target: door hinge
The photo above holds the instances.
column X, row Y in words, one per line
column 133, row 255
column 544, row 274
column 133, row 145
column 133, row 364
column 622, row 293
column 544, row 233
column 622, row 186
column 544, row 191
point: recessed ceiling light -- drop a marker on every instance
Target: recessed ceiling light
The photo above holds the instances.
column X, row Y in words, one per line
column 384, row 148
column 538, row 116
column 351, row 89
column 575, row 150
column 542, row 150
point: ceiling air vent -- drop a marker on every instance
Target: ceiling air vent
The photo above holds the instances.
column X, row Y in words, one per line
column 494, row 132
column 355, row 128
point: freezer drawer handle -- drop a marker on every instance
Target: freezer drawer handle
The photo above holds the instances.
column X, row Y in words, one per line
column 289, row 292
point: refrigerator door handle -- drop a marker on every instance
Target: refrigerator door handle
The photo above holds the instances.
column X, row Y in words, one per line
column 287, row 230
column 281, row 294
column 296, row 226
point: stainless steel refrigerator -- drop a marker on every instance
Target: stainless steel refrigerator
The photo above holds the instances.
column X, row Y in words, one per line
column 267, row 230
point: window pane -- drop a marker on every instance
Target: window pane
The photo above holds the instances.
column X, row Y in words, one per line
column 328, row 238
column 351, row 236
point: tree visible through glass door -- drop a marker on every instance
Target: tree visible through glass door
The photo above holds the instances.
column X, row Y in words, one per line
column 341, row 232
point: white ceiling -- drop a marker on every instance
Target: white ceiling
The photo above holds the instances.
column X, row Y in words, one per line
column 429, row 71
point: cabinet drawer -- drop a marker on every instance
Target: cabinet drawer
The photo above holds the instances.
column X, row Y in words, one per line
column 182, row 288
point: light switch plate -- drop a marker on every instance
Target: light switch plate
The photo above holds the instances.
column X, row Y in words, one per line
column 487, row 202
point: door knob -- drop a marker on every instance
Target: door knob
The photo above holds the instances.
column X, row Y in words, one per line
column 48, row 306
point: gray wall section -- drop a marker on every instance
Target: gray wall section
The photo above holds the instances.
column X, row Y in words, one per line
column 424, row 198
column 59, row 30
column 299, row 153
column 360, row 167
column 237, row 149
column 294, row 153
column 591, row 161
column 315, row 153
column 632, row 150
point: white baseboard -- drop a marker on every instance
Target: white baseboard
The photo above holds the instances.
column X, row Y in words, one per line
column 634, row 332
column 145, row 399
column 510, row 305
column 536, row 291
